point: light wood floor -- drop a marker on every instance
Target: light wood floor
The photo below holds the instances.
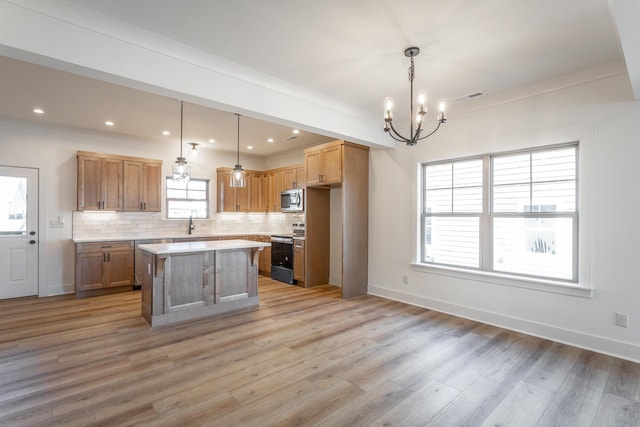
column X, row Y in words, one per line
column 304, row 357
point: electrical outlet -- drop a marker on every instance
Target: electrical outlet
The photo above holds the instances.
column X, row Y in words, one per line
column 405, row 280
column 622, row 320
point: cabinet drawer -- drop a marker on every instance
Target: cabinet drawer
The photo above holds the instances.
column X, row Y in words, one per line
column 104, row 246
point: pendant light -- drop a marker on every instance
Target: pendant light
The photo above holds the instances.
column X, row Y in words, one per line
column 237, row 175
column 181, row 169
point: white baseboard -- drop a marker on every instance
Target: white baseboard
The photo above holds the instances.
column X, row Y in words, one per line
column 579, row 339
column 58, row 290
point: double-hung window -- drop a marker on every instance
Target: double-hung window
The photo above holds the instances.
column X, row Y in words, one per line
column 511, row 213
column 187, row 198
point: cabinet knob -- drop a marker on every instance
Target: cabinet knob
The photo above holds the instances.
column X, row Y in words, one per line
column 32, row 242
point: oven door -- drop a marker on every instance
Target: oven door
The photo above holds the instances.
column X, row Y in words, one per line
column 282, row 253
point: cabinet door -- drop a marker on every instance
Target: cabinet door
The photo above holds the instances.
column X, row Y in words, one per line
column 225, row 196
column 89, row 183
column 120, row 268
column 243, row 194
column 313, row 167
column 112, row 184
column 133, row 186
column 332, row 165
column 299, row 176
column 288, row 179
column 152, row 187
column 142, row 186
column 275, row 184
column 298, row 260
column 265, row 261
column 90, row 270
column 258, row 199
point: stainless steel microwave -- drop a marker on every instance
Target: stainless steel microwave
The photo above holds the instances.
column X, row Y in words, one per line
column 292, row 200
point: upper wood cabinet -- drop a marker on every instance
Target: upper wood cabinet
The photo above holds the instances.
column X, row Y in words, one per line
column 142, row 186
column 275, row 187
column 323, row 164
column 233, row 199
column 118, row 183
column 262, row 193
column 293, row 177
column 259, row 192
column 99, row 183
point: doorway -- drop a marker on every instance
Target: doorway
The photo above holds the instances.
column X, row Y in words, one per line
column 18, row 232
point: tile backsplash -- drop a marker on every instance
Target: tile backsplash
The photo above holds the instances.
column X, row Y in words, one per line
column 147, row 224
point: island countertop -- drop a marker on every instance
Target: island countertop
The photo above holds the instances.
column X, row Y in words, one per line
column 201, row 246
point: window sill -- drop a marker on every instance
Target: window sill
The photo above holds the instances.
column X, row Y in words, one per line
column 506, row 280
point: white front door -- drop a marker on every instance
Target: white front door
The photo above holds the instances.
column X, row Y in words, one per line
column 18, row 232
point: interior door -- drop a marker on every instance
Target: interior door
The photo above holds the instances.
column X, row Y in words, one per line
column 18, row 232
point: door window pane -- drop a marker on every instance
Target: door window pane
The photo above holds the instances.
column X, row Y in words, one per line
column 13, row 205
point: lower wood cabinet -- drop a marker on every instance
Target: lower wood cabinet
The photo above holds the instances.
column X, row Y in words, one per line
column 298, row 260
column 104, row 267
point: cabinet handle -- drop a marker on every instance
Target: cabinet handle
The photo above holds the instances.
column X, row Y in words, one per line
column 108, row 257
column 145, row 206
column 104, row 257
column 321, row 178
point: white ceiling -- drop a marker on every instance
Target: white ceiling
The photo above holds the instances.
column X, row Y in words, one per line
column 348, row 51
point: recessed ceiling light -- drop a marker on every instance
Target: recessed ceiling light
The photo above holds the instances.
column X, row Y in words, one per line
column 212, row 140
column 270, row 140
column 38, row 110
column 109, row 123
column 166, row 132
column 296, row 131
column 249, row 147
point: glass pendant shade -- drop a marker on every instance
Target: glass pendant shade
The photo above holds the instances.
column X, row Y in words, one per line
column 237, row 177
column 181, row 170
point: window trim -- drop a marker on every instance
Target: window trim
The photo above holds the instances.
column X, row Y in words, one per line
column 485, row 272
column 207, row 192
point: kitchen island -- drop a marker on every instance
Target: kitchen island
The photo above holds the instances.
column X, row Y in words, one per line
column 188, row 280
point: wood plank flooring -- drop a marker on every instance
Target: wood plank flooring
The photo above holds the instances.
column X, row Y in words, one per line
column 304, row 357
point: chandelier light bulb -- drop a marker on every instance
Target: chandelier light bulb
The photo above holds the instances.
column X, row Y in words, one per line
column 422, row 102
column 388, row 105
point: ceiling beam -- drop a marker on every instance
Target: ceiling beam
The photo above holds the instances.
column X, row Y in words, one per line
column 626, row 16
column 64, row 36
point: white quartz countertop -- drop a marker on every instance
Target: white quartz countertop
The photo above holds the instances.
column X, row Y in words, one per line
column 205, row 246
column 90, row 239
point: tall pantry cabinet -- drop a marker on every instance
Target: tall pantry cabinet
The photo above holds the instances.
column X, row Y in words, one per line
column 346, row 165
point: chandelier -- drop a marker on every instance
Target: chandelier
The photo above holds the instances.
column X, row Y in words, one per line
column 411, row 52
column 181, row 170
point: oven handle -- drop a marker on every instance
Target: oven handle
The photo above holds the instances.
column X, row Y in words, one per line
column 282, row 240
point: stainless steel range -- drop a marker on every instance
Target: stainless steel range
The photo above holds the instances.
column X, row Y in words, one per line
column 282, row 258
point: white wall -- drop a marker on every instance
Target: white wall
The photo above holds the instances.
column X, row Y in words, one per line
column 52, row 150
column 605, row 119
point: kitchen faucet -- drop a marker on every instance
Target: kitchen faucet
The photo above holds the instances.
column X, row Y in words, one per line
column 192, row 226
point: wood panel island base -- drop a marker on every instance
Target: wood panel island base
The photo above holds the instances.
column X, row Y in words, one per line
column 188, row 280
